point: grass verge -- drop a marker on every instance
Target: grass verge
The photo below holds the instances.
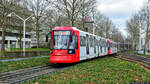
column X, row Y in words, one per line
column 99, row 71
column 21, row 64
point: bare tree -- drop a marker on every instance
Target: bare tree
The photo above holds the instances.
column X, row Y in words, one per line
column 145, row 14
column 73, row 10
column 104, row 25
column 116, row 35
column 11, row 24
column 87, row 9
column 5, row 6
column 140, row 20
column 38, row 7
column 133, row 26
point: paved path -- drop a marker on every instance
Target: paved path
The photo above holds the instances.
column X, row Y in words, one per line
column 16, row 59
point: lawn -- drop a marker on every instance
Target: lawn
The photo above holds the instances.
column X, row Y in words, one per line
column 21, row 64
column 107, row 70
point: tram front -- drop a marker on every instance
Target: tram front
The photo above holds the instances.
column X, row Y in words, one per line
column 62, row 46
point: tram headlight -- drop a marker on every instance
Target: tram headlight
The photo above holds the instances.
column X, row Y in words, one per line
column 71, row 51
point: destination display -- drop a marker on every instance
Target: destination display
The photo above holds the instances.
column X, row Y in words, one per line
column 62, row 32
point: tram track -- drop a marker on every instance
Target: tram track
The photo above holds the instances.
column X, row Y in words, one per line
column 23, row 75
column 143, row 61
column 19, row 76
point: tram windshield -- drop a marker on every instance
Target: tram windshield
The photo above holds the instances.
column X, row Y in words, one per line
column 61, row 39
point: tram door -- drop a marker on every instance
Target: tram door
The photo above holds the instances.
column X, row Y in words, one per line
column 87, row 42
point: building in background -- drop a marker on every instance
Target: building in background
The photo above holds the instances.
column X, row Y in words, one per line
column 33, row 39
column 12, row 40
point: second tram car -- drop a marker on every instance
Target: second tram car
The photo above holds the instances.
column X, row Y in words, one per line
column 70, row 45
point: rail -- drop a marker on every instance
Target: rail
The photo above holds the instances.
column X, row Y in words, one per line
column 23, row 75
column 144, row 61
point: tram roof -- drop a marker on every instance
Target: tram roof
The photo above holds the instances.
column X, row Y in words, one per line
column 74, row 28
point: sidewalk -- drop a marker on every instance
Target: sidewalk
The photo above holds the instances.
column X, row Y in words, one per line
column 16, row 59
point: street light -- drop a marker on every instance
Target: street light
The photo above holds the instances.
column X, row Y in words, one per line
column 24, row 27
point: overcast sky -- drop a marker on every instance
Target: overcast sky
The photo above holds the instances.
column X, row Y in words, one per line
column 119, row 10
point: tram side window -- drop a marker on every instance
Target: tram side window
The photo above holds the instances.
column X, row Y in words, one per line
column 107, row 44
column 82, row 41
column 94, row 42
column 76, row 42
column 103, row 44
column 87, row 39
column 99, row 43
column 91, row 42
column 113, row 45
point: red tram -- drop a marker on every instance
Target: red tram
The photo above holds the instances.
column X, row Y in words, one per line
column 70, row 45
